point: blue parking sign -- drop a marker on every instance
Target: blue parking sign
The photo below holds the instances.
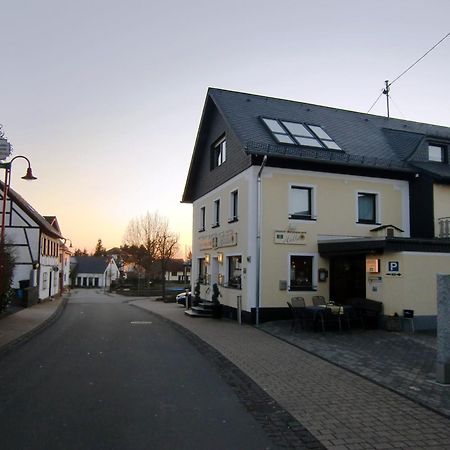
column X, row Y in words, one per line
column 393, row 266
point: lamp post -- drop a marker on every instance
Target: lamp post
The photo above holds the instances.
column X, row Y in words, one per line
column 27, row 176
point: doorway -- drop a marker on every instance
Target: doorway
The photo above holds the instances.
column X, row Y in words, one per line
column 347, row 277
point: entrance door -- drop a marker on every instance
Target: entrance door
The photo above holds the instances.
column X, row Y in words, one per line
column 214, row 275
column 347, row 277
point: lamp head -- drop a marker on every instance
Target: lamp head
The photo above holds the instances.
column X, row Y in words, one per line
column 29, row 175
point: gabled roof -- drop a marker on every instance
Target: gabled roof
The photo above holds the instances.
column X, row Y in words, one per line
column 53, row 221
column 90, row 264
column 366, row 140
column 43, row 224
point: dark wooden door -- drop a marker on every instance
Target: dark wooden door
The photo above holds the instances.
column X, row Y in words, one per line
column 347, row 277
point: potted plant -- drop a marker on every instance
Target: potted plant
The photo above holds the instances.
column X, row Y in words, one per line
column 216, row 307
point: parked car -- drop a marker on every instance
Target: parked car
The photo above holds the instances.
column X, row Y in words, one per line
column 181, row 298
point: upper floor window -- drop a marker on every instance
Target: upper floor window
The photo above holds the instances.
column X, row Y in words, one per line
column 234, row 206
column 301, row 203
column 216, row 213
column 202, row 219
column 367, row 208
column 436, row 153
column 219, row 153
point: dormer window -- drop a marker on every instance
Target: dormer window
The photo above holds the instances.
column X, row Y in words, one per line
column 219, row 153
column 296, row 133
column 436, row 153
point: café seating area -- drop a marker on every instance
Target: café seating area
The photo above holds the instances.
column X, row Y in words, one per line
column 322, row 315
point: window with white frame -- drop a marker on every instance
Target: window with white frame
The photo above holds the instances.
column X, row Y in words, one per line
column 219, row 153
column 301, row 203
column 202, row 219
column 216, row 213
column 234, row 206
column 301, row 272
column 367, row 208
column 234, row 271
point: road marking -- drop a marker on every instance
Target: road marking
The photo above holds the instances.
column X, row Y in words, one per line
column 140, row 322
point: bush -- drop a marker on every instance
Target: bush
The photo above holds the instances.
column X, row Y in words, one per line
column 6, row 271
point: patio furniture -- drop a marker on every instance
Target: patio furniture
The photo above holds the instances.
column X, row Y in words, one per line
column 365, row 311
column 298, row 315
column 318, row 300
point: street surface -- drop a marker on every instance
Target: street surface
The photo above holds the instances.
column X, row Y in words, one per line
column 108, row 375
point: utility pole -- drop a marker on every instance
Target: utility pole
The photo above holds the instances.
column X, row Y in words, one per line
column 386, row 93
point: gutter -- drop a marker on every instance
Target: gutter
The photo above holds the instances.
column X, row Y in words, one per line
column 258, row 241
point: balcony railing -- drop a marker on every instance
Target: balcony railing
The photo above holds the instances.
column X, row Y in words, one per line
column 444, row 227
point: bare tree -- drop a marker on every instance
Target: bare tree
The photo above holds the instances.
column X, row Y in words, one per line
column 151, row 233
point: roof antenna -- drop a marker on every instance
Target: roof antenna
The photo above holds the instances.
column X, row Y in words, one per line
column 386, row 90
column 386, row 93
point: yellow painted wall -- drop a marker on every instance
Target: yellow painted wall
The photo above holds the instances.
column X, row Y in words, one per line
column 415, row 288
column 336, row 210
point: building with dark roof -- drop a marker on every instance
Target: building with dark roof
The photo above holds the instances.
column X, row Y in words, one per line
column 41, row 260
column 94, row 272
column 295, row 199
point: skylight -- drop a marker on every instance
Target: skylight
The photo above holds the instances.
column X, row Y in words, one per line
column 296, row 133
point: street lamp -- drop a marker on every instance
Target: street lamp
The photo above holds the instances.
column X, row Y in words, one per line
column 27, row 176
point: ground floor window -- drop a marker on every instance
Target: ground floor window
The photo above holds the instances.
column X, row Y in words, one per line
column 202, row 271
column 234, row 271
column 301, row 272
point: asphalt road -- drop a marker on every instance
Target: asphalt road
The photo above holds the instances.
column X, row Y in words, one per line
column 110, row 376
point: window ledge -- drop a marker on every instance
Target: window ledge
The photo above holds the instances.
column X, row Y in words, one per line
column 368, row 223
column 305, row 289
column 305, row 218
column 234, row 219
column 217, row 225
column 201, row 230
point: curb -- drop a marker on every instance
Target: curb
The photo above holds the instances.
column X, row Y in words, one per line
column 36, row 330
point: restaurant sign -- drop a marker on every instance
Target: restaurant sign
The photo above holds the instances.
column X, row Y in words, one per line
column 290, row 237
column 218, row 240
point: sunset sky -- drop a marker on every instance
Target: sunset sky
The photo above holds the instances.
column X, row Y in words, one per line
column 105, row 96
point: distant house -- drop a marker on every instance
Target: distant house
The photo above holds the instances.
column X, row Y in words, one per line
column 178, row 270
column 94, row 272
column 36, row 245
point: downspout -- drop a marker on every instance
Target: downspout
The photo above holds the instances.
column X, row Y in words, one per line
column 258, row 241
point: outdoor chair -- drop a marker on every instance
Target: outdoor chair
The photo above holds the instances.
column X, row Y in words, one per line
column 296, row 318
column 318, row 300
column 298, row 311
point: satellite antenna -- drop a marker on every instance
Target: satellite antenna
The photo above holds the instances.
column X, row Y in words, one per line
column 388, row 84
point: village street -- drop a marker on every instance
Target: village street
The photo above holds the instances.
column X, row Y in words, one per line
column 108, row 375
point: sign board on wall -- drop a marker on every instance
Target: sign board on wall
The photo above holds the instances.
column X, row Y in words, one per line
column 218, row 240
column 372, row 265
column 290, row 237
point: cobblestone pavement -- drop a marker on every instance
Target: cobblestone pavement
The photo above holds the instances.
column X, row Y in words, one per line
column 403, row 362
column 342, row 410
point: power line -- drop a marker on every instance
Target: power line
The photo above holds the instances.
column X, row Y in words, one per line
column 420, row 59
column 386, row 90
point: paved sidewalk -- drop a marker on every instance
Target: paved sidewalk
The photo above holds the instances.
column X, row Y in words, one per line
column 20, row 326
column 341, row 409
column 401, row 361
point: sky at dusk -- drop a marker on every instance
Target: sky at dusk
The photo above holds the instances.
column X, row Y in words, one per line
column 105, row 97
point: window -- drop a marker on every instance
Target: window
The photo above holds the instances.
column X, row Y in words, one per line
column 301, row 272
column 296, row 133
column 367, row 208
column 300, row 203
column 216, row 213
column 234, row 271
column 436, row 153
column 202, row 271
column 234, row 204
column 202, row 218
column 219, row 153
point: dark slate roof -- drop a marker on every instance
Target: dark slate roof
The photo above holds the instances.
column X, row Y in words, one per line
column 44, row 225
column 90, row 264
column 365, row 139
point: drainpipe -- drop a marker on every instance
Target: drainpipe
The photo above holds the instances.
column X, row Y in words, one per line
column 258, row 241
